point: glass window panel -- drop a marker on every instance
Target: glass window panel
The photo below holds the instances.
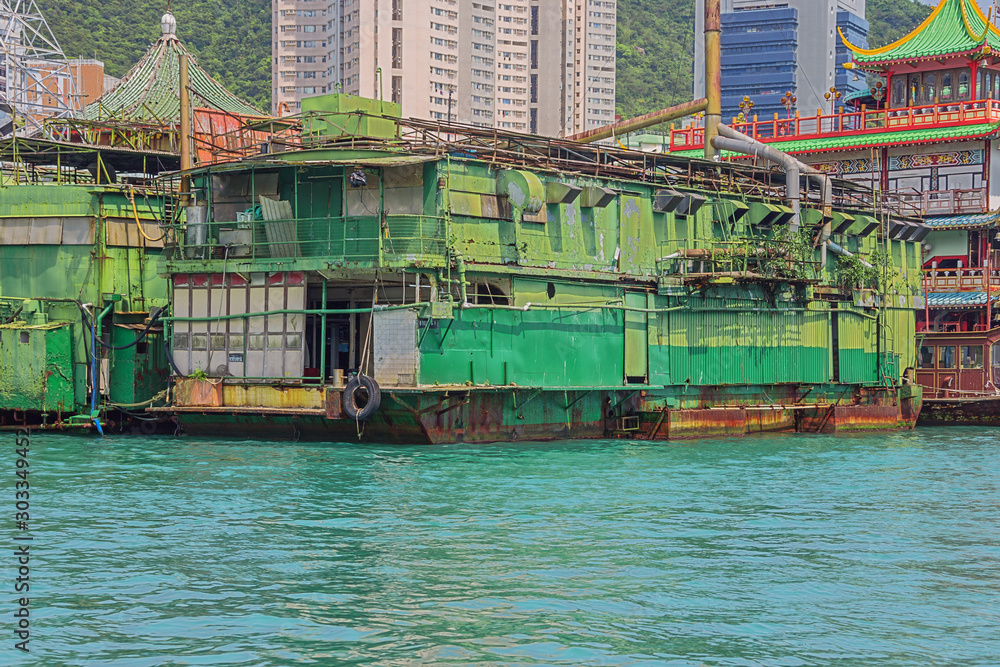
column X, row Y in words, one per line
column 181, row 341
column 256, row 341
column 946, row 356
column 275, row 341
column 946, row 89
column 972, row 356
column 930, row 87
column 926, row 358
column 913, row 89
column 293, row 341
column 236, row 341
column 995, row 354
column 964, row 89
column 199, row 342
column 218, row 341
column 898, row 92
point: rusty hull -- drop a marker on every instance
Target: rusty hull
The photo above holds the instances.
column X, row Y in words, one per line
column 504, row 415
column 961, row 411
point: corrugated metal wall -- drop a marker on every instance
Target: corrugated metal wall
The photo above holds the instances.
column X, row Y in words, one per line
column 744, row 343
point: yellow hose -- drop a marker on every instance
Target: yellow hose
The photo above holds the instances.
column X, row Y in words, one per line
column 135, row 213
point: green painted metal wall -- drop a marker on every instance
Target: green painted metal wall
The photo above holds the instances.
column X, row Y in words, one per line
column 36, row 368
column 79, row 272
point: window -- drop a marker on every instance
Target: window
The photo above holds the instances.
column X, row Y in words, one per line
column 926, row 357
column 490, row 294
column 964, row 89
column 913, row 91
column 972, row 356
column 946, row 87
column 946, row 356
column 930, row 88
column 898, row 99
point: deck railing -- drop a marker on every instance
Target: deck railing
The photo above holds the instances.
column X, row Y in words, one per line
column 960, row 280
column 847, row 123
column 947, row 202
column 347, row 239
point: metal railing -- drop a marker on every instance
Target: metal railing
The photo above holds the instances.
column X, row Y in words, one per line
column 851, row 122
column 960, row 280
column 948, row 202
column 347, row 239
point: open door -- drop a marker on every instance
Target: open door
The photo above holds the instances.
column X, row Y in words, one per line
column 636, row 338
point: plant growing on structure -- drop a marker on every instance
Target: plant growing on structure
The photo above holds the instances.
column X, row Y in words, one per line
column 792, row 253
column 852, row 274
column 199, row 374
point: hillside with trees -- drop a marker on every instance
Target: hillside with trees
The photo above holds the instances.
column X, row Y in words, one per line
column 656, row 47
column 231, row 39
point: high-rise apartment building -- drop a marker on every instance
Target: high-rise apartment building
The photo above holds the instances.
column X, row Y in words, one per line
column 539, row 66
column 770, row 47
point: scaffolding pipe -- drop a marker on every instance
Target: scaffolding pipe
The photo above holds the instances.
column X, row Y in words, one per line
column 713, row 75
column 640, row 122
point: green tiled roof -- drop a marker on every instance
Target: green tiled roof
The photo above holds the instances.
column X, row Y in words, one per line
column 954, row 27
column 150, row 92
column 956, row 299
column 971, row 221
column 870, row 139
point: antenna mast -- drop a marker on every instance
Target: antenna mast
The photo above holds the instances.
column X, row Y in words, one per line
column 36, row 81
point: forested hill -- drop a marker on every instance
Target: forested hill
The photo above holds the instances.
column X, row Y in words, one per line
column 656, row 47
column 231, row 39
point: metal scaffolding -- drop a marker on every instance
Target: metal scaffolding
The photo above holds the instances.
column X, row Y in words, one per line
column 36, row 81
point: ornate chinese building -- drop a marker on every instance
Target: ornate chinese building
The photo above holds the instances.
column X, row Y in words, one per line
column 925, row 132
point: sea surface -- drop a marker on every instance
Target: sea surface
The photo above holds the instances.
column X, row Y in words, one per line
column 791, row 550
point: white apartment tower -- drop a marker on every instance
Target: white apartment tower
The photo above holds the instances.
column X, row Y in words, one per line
column 539, row 66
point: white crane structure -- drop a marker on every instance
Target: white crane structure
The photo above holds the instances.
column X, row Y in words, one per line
column 36, row 81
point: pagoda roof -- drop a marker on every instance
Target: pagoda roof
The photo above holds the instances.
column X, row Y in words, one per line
column 150, row 92
column 954, row 28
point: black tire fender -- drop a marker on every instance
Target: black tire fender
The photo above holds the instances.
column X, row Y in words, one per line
column 351, row 407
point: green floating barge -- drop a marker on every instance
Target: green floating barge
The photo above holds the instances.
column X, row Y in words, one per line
column 79, row 262
column 503, row 287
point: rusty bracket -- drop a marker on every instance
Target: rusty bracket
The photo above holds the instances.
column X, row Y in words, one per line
column 619, row 403
column 578, row 398
column 530, row 398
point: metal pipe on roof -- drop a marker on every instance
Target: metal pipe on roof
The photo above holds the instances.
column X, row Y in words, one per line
column 185, row 138
column 843, row 252
column 639, row 122
column 791, row 165
column 730, row 139
column 713, row 75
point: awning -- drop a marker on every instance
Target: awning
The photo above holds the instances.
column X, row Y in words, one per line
column 962, row 221
column 957, row 299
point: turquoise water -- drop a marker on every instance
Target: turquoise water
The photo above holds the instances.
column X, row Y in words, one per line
column 808, row 550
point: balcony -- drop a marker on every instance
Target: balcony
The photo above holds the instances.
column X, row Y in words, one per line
column 960, row 280
column 947, row 202
column 344, row 241
column 851, row 123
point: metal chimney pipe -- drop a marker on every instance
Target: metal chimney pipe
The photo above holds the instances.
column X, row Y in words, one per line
column 185, row 131
column 713, row 75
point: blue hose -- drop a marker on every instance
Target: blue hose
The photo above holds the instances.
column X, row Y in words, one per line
column 93, row 380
